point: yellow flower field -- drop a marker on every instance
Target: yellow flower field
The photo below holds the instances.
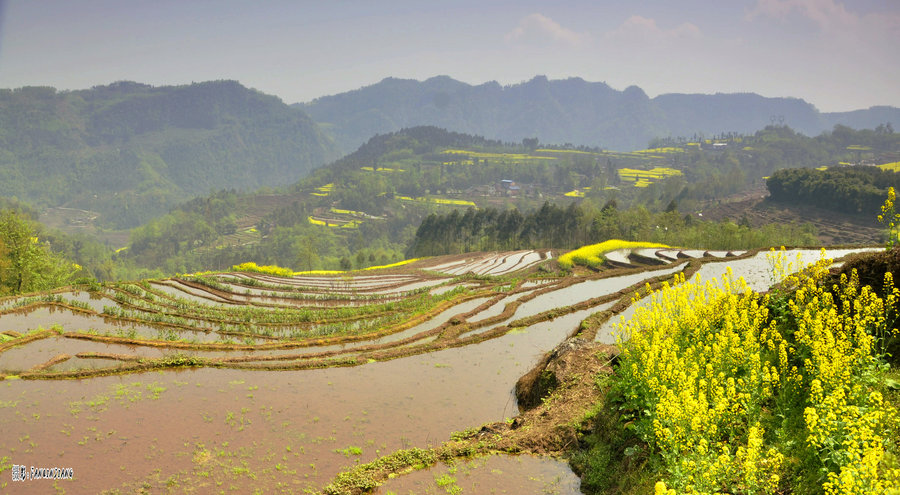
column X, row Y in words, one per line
column 323, row 191
column 715, row 377
column 643, row 178
column 503, row 157
column 266, row 269
column 592, row 255
column 382, row 169
column 352, row 224
column 439, row 201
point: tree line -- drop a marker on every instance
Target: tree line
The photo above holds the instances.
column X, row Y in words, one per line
column 845, row 189
column 553, row 226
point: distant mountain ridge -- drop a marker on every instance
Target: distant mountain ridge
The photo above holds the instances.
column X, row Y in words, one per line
column 131, row 151
column 566, row 111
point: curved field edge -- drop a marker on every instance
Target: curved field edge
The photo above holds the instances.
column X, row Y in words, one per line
column 448, row 334
column 578, row 418
column 486, row 439
column 452, row 333
column 554, row 427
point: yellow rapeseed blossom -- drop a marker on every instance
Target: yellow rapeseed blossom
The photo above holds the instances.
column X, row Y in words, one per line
column 704, row 363
column 266, row 269
column 890, row 218
column 592, row 255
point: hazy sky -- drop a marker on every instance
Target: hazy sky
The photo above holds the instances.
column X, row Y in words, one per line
column 836, row 54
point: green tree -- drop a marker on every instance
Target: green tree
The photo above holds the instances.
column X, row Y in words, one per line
column 27, row 265
column 307, row 256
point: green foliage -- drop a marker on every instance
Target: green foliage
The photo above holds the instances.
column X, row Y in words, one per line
column 577, row 225
column 351, row 450
column 843, row 189
column 26, row 263
column 179, row 360
column 367, row 477
column 131, row 151
column 377, row 187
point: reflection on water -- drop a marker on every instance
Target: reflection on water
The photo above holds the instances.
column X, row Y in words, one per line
column 587, row 290
column 253, row 417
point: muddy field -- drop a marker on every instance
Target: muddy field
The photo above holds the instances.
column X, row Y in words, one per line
column 248, row 382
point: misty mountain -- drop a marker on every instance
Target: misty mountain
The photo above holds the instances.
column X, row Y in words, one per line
column 131, row 151
column 566, row 111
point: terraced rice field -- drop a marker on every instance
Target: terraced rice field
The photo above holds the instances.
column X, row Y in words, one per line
column 235, row 382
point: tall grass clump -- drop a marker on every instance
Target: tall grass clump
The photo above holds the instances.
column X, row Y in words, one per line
column 736, row 392
column 592, row 255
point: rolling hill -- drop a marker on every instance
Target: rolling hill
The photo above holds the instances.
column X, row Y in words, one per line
column 570, row 110
column 130, row 151
column 372, row 206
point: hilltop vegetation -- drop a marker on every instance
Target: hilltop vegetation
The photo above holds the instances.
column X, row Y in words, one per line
column 130, row 151
column 366, row 208
column 847, row 189
column 570, row 110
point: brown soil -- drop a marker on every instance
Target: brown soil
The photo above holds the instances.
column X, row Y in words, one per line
column 560, row 390
column 833, row 228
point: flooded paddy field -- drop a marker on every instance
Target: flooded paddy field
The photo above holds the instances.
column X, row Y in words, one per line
column 200, row 386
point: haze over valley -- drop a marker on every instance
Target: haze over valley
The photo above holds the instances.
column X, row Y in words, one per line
column 461, row 247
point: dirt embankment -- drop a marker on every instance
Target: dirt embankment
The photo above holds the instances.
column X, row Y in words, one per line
column 553, row 397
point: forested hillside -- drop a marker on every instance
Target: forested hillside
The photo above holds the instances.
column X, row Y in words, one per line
column 474, row 193
column 856, row 184
column 847, row 189
column 130, row 151
column 566, row 111
column 478, row 194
